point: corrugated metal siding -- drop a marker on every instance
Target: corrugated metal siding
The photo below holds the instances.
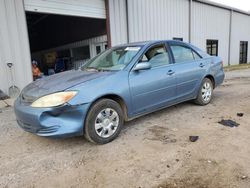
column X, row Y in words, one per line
column 14, row 46
column 240, row 32
column 158, row 19
column 118, row 22
column 210, row 22
column 86, row 8
column 4, row 50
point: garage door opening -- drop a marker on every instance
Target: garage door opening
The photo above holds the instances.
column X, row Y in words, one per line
column 60, row 43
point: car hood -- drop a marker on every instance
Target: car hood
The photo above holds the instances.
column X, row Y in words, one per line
column 58, row 82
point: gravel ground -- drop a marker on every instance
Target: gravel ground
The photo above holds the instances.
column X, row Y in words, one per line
column 152, row 151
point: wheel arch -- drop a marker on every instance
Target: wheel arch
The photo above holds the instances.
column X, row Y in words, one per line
column 115, row 98
column 210, row 77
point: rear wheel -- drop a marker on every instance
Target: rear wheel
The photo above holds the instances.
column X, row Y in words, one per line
column 104, row 121
column 205, row 93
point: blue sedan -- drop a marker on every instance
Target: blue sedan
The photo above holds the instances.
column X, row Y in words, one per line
column 120, row 84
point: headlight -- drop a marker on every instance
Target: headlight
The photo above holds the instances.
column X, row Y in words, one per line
column 55, row 99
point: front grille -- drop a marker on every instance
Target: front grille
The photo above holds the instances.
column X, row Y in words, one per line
column 48, row 130
column 27, row 127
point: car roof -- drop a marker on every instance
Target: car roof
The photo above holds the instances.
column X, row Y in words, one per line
column 143, row 43
column 151, row 42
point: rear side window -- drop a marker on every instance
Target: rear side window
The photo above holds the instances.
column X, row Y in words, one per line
column 157, row 56
column 183, row 54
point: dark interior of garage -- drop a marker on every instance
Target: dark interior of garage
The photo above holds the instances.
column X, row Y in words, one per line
column 49, row 31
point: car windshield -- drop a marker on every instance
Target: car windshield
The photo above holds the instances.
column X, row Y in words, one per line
column 112, row 59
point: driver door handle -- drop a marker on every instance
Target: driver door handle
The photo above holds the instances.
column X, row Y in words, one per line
column 170, row 72
column 201, row 65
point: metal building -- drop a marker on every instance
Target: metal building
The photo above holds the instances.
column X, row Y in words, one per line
column 215, row 28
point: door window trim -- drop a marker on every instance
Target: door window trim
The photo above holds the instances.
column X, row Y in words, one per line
column 176, row 43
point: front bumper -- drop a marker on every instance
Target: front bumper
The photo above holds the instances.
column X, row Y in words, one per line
column 63, row 121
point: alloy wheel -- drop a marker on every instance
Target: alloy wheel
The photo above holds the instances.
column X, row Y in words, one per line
column 206, row 91
column 106, row 122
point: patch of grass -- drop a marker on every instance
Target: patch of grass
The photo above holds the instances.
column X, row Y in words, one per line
column 237, row 67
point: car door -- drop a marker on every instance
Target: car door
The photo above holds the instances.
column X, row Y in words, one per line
column 153, row 88
column 190, row 69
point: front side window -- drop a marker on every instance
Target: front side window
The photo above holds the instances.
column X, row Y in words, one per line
column 196, row 56
column 157, row 56
column 183, row 54
column 112, row 59
column 212, row 47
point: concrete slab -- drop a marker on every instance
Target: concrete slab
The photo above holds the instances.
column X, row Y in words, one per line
column 8, row 101
column 2, row 104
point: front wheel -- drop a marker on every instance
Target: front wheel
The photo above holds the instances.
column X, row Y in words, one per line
column 205, row 93
column 104, row 121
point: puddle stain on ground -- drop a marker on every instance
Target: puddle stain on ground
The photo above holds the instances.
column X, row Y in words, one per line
column 206, row 174
column 158, row 133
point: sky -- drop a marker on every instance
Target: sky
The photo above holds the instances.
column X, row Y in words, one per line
column 240, row 4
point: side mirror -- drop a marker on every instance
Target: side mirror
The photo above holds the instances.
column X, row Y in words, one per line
column 142, row 66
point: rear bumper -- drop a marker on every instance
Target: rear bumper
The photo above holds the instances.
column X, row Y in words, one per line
column 219, row 78
column 63, row 121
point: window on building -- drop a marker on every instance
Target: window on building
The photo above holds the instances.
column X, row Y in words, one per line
column 98, row 49
column 177, row 38
column 243, row 51
column 157, row 56
column 80, row 53
column 212, row 47
column 183, row 54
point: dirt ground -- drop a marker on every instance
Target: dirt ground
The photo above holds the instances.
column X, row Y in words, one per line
column 152, row 151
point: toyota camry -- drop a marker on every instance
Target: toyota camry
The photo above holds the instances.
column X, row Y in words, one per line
column 118, row 85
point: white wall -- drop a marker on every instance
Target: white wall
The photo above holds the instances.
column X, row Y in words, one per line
column 165, row 19
column 4, row 50
column 210, row 22
column 147, row 20
column 118, row 22
column 158, row 19
column 14, row 45
column 240, row 32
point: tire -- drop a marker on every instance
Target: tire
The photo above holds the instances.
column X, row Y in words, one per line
column 104, row 121
column 205, row 92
